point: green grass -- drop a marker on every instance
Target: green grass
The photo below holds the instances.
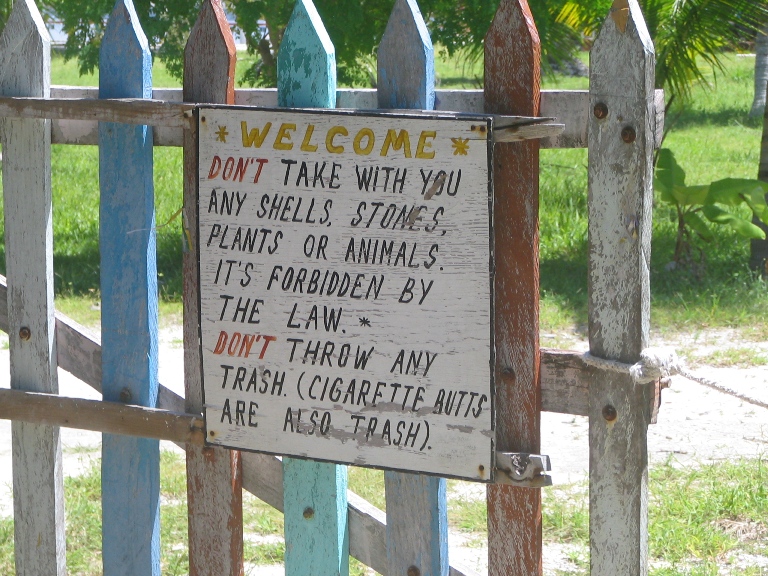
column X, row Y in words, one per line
column 696, row 515
column 83, row 514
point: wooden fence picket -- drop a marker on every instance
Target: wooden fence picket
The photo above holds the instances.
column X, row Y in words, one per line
column 38, row 492
column 417, row 516
column 512, row 86
column 214, row 475
column 620, row 209
column 315, row 493
column 130, row 466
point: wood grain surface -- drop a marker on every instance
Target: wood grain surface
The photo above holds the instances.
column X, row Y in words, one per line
column 417, row 517
column 512, row 86
column 38, row 497
column 568, row 107
column 214, row 475
column 315, row 503
column 130, row 466
column 620, row 207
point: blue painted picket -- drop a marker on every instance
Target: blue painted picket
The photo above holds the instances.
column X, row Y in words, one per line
column 130, row 466
column 417, row 515
column 315, row 494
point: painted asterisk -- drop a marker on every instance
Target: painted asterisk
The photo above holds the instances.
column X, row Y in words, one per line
column 364, row 321
column 460, row 146
column 221, row 134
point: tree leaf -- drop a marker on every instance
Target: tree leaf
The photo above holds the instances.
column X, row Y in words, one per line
column 732, row 191
column 698, row 225
column 742, row 227
column 691, row 195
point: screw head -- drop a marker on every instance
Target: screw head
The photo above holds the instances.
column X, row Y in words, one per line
column 600, row 110
column 413, row 571
column 628, row 135
column 25, row 333
column 609, row 413
column 125, row 395
column 309, row 513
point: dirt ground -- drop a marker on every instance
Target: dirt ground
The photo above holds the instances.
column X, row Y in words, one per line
column 695, row 425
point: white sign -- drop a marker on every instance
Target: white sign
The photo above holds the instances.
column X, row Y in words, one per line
column 345, row 277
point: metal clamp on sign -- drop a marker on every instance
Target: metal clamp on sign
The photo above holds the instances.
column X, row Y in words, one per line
column 520, row 469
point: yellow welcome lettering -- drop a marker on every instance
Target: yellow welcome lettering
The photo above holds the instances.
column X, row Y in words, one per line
column 332, row 133
column 254, row 137
column 283, row 138
column 397, row 141
column 421, row 147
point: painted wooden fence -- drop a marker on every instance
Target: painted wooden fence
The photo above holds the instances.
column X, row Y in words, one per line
column 324, row 522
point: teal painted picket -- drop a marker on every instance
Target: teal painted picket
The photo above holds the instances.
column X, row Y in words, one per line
column 324, row 523
column 315, row 493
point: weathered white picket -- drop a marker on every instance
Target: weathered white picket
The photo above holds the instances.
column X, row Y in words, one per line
column 38, row 491
column 620, row 210
column 617, row 118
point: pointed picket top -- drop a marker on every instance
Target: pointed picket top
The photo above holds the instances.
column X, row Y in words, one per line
column 25, row 53
column 209, row 57
column 623, row 48
column 512, row 61
column 306, row 62
column 125, row 62
column 406, row 60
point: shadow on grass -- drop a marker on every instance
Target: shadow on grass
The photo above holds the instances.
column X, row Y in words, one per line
column 691, row 118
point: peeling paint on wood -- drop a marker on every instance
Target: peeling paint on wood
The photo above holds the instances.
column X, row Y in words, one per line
column 568, row 107
column 620, row 203
column 512, row 86
column 417, row 516
column 315, row 503
column 406, row 60
column 79, row 353
column 214, row 475
column 348, row 288
column 130, row 467
column 38, row 495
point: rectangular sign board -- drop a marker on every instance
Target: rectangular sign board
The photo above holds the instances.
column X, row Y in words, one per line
column 346, row 287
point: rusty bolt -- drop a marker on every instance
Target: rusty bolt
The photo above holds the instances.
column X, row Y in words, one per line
column 413, row 571
column 508, row 374
column 25, row 333
column 309, row 513
column 600, row 110
column 609, row 413
column 125, row 395
column 628, row 134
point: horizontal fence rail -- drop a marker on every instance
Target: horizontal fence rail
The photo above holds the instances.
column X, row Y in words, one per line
column 75, row 112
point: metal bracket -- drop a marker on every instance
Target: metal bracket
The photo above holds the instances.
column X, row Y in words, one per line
column 525, row 470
